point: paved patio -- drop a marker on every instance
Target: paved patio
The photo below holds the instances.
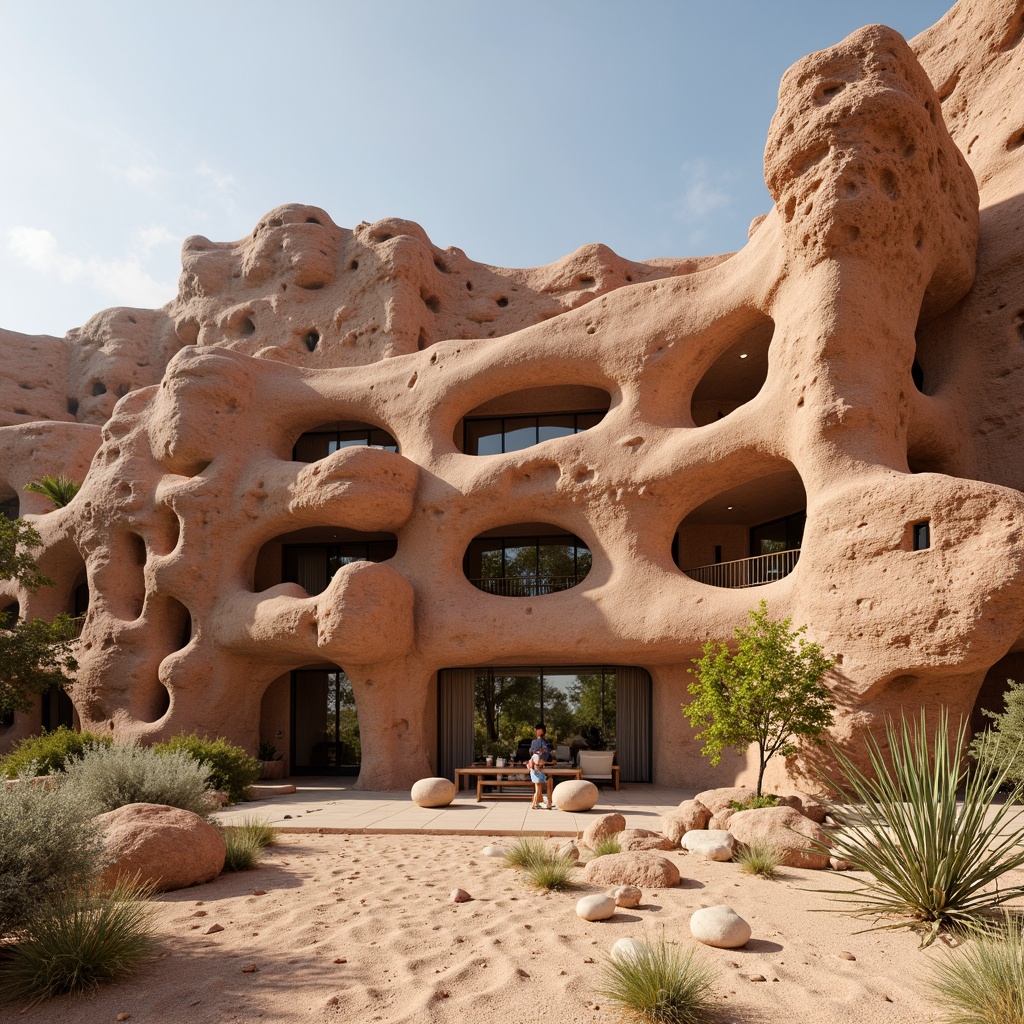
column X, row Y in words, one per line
column 331, row 805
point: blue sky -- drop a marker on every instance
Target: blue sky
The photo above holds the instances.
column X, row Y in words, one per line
column 515, row 131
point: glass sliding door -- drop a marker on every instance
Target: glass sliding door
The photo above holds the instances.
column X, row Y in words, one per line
column 325, row 727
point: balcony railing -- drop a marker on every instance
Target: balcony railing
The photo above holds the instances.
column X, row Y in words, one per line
column 525, row 586
column 747, row 572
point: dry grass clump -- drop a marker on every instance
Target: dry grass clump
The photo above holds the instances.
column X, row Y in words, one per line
column 542, row 866
column 246, row 842
column 606, row 846
column 761, row 859
column 661, row 985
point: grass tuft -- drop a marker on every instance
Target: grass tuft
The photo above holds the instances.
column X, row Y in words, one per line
column 606, row 846
column 244, row 850
column 661, row 985
column 982, row 982
column 526, row 852
column 933, row 859
column 552, row 874
column 78, row 942
column 761, row 859
column 259, row 828
column 755, row 802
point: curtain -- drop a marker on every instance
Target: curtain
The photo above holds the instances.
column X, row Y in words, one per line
column 455, row 692
column 633, row 724
column 311, row 569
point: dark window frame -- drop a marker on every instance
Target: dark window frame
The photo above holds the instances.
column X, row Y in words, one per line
column 521, row 420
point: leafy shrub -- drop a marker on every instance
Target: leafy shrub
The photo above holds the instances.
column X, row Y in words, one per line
column 231, row 769
column 755, row 802
column 47, row 753
column 78, row 942
column 106, row 778
column 1001, row 748
column 982, row 982
column 661, row 985
column 526, row 852
column 47, row 847
column 761, row 859
column 931, row 860
column 606, row 846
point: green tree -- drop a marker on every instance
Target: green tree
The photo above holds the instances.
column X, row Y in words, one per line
column 769, row 691
column 59, row 489
column 1001, row 747
column 34, row 655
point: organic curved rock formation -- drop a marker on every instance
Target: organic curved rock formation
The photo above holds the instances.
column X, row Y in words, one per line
column 867, row 270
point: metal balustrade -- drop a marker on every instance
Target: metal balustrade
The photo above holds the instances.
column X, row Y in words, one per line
column 747, row 572
column 525, row 586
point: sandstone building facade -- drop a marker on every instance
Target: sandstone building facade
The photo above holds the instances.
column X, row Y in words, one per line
column 366, row 500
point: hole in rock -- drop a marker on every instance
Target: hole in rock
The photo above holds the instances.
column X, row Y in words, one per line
column 745, row 536
column 312, row 340
column 735, row 377
column 526, row 560
column 98, row 388
column 503, row 301
column 431, row 302
column 311, row 557
column 327, row 438
column 312, row 220
column 522, row 419
column 73, row 406
column 11, row 612
column 354, row 265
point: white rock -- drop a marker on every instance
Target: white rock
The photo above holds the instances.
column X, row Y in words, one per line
column 719, row 926
column 575, row 795
column 627, row 949
column 627, row 896
column 570, row 851
column 712, row 844
column 433, row 792
column 840, row 864
column 595, row 908
column 494, row 851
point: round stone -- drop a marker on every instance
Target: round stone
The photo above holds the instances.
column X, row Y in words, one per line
column 494, row 851
column 711, row 844
column 595, row 908
column 719, row 926
column 628, row 949
column 433, row 792
column 627, row 896
column 575, row 795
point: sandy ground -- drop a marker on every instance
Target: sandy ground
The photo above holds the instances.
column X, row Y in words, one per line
column 359, row 928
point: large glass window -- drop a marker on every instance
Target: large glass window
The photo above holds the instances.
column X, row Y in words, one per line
column 501, row 434
column 313, row 566
column 318, row 444
column 527, row 566
column 325, row 727
column 785, row 534
column 576, row 705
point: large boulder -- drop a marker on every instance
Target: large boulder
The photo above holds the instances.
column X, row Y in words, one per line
column 719, row 926
column 716, row 800
column 433, row 792
column 164, row 847
column 575, row 795
column 645, row 870
column 807, row 805
column 711, row 844
column 631, row 839
column 786, row 830
column 604, row 827
column 689, row 815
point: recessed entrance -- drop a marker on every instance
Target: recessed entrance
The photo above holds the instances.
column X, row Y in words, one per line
column 325, row 726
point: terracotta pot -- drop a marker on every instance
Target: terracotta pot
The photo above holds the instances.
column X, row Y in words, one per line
column 272, row 769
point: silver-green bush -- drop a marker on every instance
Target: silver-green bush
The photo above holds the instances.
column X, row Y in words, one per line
column 109, row 777
column 47, row 846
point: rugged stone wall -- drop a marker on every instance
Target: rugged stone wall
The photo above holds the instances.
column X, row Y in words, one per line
column 866, row 262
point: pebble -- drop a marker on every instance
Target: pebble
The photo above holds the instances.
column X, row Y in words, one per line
column 719, row 926
column 846, row 956
column 627, row 896
column 259, row 892
column 595, row 908
column 123, row 1016
column 341, row 960
column 494, row 851
column 460, row 896
column 250, row 969
column 213, row 929
column 757, row 977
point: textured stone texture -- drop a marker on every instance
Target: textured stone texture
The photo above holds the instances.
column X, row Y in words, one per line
column 711, row 844
column 643, row 839
column 644, row 870
column 719, row 926
column 691, row 814
column 604, row 827
column 865, row 263
column 627, row 896
column 785, row 830
column 575, row 795
column 166, row 847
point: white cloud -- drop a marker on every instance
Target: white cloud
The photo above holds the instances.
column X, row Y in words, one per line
column 702, row 195
column 126, row 279
column 138, row 173
column 156, row 234
column 220, row 179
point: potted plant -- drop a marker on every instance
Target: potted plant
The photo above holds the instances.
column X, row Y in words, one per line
column 271, row 765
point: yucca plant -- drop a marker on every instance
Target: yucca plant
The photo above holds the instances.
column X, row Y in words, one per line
column 59, row 489
column 982, row 981
column 661, row 985
column 761, row 859
column 77, row 942
column 931, row 859
column 606, row 846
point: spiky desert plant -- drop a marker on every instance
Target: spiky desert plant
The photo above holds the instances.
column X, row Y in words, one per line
column 761, row 859
column 526, row 852
column 77, row 942
column 660, row 984
column 59, row 489
column 982, row 981
column 605, row 846
column 552, row 873
column 931, row 860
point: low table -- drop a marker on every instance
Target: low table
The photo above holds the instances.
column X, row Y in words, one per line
column 497, row 779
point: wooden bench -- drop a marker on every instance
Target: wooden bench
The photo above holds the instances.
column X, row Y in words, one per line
column 497, row 785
